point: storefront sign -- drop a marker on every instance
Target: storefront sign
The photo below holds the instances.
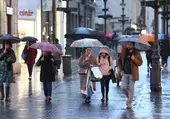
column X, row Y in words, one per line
column 9, row 10
column 26, row 14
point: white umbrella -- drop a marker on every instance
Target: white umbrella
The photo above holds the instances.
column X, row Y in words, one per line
column 87, row 42
column 139, row 44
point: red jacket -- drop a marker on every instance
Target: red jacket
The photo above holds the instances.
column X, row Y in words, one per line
column 32, row 53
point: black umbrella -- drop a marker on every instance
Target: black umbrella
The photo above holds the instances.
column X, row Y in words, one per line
column 82, row 32
column 9, row 37
column 29, row 38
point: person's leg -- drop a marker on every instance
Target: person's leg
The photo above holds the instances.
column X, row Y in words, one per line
column 49, row 85
column 30, row 68
column 102, row 82
column 8, row 80
column 45, row 87
column 2, row 91
column 107, row 81
column 131, row 91
column 83, row 80
column 124, row 85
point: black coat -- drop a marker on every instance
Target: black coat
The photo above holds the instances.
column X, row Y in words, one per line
column 165, row 48
column 9, row 57
column 47, row 72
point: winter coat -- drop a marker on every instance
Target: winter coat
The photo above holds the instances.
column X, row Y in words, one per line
column 134, row 63
column 9, row 57
column 165, row 48
column 47, row 72
column 32, row 53
column 84, row 63
column 105, row 64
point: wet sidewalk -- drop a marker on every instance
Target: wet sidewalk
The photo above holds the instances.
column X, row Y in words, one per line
column 67, row 102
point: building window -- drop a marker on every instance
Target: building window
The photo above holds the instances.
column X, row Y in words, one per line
column 8, row 3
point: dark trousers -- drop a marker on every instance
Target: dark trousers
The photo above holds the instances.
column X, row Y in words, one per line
column 47, row 88
column 30, row 68
column 105, row 85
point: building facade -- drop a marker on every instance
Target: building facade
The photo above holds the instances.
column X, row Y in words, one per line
column 132, row 13
column 9, row 17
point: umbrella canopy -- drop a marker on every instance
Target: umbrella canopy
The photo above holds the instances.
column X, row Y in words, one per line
column 9, row 37
column 82, row 32
column 87, row 42
column 29, row 38
column 120, row 37
column 46, row 46
column 96, row 50
column 109, row 35
column 147, row 37
column 139, row 44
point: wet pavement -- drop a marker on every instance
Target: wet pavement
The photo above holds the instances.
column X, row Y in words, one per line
column 27, row 99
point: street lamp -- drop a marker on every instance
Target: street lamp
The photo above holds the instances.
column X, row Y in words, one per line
column 105, row 16
column 123, row 15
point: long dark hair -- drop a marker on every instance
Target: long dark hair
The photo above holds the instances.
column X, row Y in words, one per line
column 7, row 42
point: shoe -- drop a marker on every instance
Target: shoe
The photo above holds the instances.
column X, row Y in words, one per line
column 87, row 100
column 49, row 99
column 102, row 100
column 129, row 106
column 7, row 94
column 107, row 99
column 29, row 78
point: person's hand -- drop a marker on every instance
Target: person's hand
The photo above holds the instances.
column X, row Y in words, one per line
column 5, row 50
column 121, row 73
column 52, row 59
column 132, row 57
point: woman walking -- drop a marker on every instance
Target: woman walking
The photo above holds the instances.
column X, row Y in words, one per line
column 30, row 60
column 8, row 56
column 105, row 63
column 47, row 73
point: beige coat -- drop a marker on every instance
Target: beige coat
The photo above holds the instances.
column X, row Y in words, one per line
column 84, row 63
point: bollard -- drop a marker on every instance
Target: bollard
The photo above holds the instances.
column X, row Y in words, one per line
column 67, row 65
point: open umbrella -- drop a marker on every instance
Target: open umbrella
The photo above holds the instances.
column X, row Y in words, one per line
column 82, row 32
column 96, row 50
column 139, row 44
column 29, row 38
column 46, row 46
column 87, row 42
column 9, row 37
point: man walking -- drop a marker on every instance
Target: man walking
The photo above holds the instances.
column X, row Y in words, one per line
column 129, row 61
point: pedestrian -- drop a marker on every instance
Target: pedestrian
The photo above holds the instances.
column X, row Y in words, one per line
column 9, row 57
column 30, row 59
column 57, row 56
column 86, row 61
column 47, row 73
column 164, row 54
column 105, row 63
column 149, row 56
column 129, row 61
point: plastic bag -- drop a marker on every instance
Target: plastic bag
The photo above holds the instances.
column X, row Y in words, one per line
column 96, row 73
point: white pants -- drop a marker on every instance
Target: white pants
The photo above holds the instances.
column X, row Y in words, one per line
column 128, row 86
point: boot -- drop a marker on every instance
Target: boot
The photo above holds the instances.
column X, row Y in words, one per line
column 7, row 94
column 2, row 92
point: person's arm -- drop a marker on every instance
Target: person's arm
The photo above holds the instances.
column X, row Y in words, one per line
column 82, row 61
column 111, row 63
column 40, row 61
column 137, row 59
column 12, row 58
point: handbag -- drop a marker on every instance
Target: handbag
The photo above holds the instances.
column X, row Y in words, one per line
column 96, row 74
column 24, row 55
column 112, row 76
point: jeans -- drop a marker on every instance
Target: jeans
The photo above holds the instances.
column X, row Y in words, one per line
column 105, row 84
column 8, row 78
column 30, row 68
column 47, row 88
column 128, row 86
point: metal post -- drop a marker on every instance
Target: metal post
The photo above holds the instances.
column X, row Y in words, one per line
column 54, row 21
column 123, row 20
column 105, row 27
column 155, row 81
column 79, row 17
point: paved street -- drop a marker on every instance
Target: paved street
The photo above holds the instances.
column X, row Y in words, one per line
column 67, row 102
